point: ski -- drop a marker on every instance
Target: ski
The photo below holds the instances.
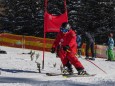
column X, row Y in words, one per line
column 68, row 75
column 76, row 75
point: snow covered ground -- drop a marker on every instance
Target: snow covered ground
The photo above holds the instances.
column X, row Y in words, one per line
column 17, row 69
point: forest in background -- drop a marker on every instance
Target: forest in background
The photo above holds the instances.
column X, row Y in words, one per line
column 25, row 17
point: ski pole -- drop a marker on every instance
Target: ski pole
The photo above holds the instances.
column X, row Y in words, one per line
column 90, row 62
column 96, row 66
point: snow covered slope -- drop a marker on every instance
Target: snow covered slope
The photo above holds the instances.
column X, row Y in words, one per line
column 17, row 69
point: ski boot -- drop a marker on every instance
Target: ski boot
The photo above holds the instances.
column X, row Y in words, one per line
column 65, row 70
column 70, row 71
column 82, row 72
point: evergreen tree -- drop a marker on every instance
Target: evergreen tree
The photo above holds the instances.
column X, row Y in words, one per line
column 25, row 17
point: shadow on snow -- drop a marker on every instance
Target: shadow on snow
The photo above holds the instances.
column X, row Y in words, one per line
column 16, row 71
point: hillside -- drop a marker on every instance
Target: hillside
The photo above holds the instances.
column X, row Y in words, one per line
column 17, row 69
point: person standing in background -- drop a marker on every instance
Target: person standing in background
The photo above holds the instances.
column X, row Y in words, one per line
column 79, row 42
column 88, row 39
column 79, row 39
column 110, row 46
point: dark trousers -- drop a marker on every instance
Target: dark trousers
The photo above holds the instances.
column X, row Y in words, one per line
column 91, row 46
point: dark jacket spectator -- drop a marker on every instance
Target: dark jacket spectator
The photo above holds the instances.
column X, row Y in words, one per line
column 88, row 39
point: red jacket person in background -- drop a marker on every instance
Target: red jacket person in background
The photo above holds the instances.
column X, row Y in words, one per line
column 65, row 43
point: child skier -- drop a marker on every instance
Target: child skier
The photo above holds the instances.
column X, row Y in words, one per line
column 66, row 43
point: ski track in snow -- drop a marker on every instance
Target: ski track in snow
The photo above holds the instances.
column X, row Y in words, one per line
column 17, row 69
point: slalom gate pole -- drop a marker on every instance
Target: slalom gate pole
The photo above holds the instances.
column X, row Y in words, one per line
column 90, row 62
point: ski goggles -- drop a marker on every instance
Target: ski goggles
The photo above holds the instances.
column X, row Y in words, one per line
column 64, row 30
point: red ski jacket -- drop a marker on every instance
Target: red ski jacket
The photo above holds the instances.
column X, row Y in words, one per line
column 68, row 38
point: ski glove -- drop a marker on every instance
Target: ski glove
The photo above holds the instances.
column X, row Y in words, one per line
column 52, row 50
column 65, row 48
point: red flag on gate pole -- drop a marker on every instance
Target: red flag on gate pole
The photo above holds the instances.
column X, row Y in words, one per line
column 52, row 23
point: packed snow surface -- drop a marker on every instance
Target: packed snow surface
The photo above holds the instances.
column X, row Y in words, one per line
column 17, row 69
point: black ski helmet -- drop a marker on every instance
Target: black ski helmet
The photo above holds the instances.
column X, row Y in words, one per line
column 65, row 27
